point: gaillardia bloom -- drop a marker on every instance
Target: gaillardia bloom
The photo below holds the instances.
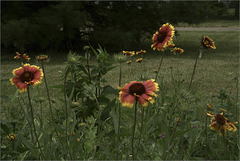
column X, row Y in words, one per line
column 41, row 58
column 208, row 43
column 130, row 53
column 140, row 52
column 178, row 50
column 26, row 75
column 221, row 123
column 129, row 62
column 163, row 37
column 138, row 91
column 24, row 56
column 139, row 60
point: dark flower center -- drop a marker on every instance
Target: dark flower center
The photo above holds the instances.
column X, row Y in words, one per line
column 137, row 88
column 161, row 36
column 220, row 119
column 26, row 76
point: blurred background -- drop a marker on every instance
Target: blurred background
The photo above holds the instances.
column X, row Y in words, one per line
column 51, row 26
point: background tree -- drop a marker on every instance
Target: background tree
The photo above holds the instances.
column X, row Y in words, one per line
column 117, row 25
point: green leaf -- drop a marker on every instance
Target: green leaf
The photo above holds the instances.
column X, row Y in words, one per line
column 106, row 111
column 109, row 90
column 115, row 120
column 5, row 128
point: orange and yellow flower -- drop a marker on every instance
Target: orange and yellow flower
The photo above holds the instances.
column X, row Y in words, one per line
column 24, row 56
column 26, row 75
column 163, row 37
column 41, row 58
column 142, row 92
column 208, row 43
column 140, row 52
column 221, row 123
column 178, row 50
column 139, row 60
column 130, row 53
column 129, row 62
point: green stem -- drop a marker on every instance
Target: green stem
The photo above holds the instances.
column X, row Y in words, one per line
column 141, row 127
column 66, row 114
column 49, row 101
column 194, row 69
column 119, row 107
column 225, row 144
column 134, row 127
column 25, row 114
column 159, row 67
column 34, row 128
column 88, row 69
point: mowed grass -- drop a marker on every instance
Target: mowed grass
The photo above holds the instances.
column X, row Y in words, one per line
column 212, row 23
column 216, row 69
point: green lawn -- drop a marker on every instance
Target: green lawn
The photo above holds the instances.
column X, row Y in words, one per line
column 216, row 69
column 212, row 23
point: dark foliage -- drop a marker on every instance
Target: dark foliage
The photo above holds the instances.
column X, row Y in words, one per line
column 62, row 26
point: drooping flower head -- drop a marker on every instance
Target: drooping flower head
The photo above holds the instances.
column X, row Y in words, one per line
column 163, row 37
column 11, row 137
column 130, row 53
column 41, row 58
column 138, row 91
column 129, row 62
column 208, row 43
column 24, row 56
column 139, row 60
column 140, row 52
column 178, row 50
column 221, row 123
column 26, row 75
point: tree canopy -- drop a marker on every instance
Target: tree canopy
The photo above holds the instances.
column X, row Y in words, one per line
column 116, row 25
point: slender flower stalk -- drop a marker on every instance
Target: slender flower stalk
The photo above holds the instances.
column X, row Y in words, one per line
column 34, row 128
column 25, row 114
column 194, row 69
column 119, row 107
column 142, row 112
column 134, row 127
column 49, row 101
column 160, row 64
column 66, row 113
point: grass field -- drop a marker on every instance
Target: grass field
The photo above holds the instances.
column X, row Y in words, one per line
column 217, row 69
